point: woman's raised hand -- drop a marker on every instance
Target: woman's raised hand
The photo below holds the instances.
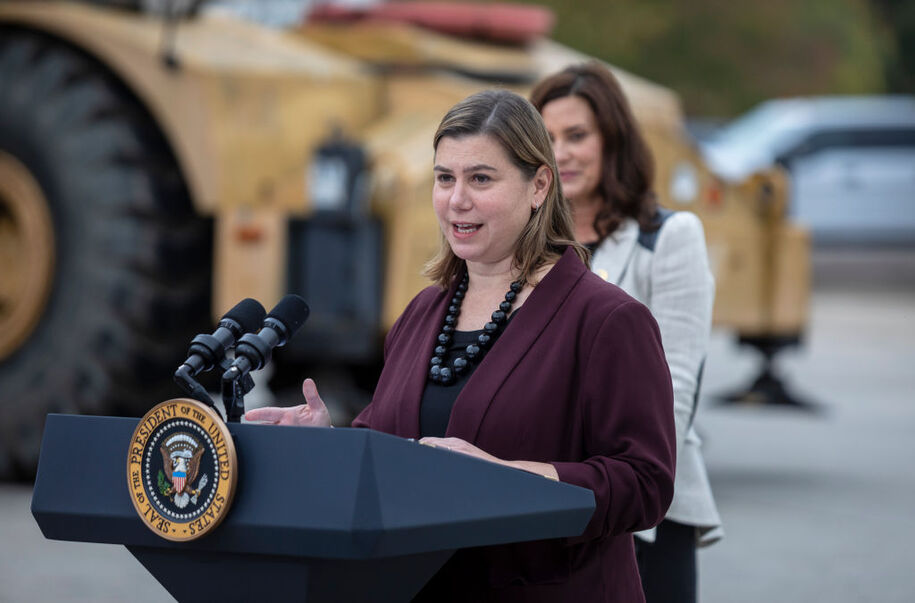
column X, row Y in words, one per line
column 311, row 414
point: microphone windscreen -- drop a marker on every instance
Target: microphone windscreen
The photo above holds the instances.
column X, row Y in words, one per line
column 249, row 313
column 291, row 312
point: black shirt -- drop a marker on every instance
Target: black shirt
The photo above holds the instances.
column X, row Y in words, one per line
column 438, row 399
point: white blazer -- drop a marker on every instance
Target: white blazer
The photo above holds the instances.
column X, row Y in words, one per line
column 668, row 271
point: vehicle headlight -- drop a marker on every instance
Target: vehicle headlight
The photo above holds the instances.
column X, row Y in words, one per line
column 327, row 177
column 684, row 183
column 336, row 177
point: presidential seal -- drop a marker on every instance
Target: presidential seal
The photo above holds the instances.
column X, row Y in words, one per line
column 181, row 469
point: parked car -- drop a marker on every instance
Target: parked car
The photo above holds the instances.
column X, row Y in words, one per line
column 851, row 161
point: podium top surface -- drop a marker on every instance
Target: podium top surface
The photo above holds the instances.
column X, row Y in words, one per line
column 309, row 492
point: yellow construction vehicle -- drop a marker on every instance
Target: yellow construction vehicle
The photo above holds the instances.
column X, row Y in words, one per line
column 156, row 169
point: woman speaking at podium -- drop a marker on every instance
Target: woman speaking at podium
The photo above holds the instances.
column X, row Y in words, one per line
column 520, row 355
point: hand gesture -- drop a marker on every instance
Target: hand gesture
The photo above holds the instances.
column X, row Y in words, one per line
column 311, row 414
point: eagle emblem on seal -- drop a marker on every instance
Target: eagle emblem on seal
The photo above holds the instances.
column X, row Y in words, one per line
column 181, row 454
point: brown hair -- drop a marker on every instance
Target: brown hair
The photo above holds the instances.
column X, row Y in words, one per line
column 514, row 123
column 628, row 168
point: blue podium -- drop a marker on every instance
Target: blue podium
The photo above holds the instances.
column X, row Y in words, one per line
column 318, row 514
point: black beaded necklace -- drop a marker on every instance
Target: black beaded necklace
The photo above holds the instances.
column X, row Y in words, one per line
column 445, row 375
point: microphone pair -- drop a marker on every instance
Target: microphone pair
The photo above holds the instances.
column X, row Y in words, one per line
column 236, row 329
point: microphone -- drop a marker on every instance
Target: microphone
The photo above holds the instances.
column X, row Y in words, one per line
column 252, row 352
column 207, row 351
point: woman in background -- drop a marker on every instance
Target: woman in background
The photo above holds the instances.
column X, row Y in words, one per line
column 658, row 257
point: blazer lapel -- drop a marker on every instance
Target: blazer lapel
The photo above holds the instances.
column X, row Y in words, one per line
column 539, row 308
column 612, row 258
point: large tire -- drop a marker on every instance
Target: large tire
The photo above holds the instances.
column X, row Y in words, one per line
column 131, row 276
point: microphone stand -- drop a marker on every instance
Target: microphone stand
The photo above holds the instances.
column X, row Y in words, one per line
column 235, row 384
column 191, row 387
column 234, row 389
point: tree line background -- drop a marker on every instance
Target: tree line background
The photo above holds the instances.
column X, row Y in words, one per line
column 724, row 56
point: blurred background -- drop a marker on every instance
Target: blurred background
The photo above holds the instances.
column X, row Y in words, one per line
column 160, row 160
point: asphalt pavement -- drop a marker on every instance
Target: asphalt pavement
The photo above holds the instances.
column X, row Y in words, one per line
column 818, row 506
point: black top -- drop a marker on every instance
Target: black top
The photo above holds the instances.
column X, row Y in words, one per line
column 438, row 399
column 592, row 246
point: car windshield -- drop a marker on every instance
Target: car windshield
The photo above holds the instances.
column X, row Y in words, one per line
column 761, row 128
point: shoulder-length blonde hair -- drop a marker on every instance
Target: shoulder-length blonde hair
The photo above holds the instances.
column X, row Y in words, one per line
column 515, row 124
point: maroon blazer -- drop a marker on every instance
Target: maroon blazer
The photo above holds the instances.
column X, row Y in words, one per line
column 578, row 379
